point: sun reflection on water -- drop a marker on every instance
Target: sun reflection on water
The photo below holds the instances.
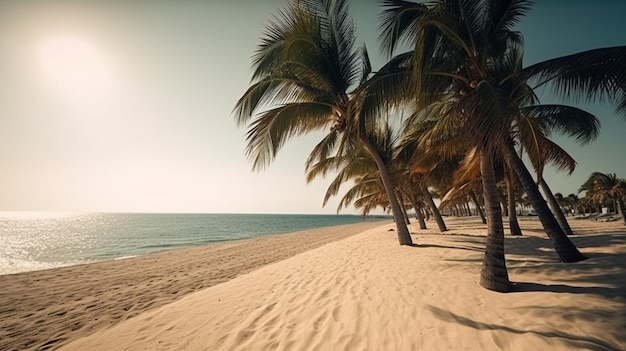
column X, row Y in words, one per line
column 40, row 240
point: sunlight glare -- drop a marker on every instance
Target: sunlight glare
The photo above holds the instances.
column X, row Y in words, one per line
column 75, row 68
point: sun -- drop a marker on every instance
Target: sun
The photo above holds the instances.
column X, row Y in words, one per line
column 74, row 67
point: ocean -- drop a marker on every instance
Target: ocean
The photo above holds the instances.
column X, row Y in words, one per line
column 37, row 240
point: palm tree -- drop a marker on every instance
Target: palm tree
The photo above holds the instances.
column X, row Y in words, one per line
column 511, row 185
column 600, row 186
column 532, row 129
column 303, row 73
column 429, row 165
column 355, row 164
column 575, row 204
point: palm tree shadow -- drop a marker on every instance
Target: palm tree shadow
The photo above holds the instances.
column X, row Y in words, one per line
column 586, row 342
column 569, row 289
column 468, row 248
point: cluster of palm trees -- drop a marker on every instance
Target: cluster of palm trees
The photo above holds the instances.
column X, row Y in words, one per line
column 601, row 190
column 457, row 112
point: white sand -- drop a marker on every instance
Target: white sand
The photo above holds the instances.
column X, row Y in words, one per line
column 366, row 292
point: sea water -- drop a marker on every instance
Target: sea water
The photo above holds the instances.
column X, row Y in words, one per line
column 34, row 240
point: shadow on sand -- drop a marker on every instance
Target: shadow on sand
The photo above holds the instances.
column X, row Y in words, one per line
column 586, row 342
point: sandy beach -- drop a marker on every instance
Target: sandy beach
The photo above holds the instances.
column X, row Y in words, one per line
column 356, row 290
column 46, row 309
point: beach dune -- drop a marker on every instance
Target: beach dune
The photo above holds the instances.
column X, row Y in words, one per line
column 366, row 292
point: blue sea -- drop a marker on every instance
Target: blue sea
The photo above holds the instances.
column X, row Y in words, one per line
column 36, row 240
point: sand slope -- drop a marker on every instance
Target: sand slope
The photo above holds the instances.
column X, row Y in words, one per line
column 368, row 293
column 46, row 309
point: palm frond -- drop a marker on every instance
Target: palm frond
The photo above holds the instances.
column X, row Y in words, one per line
column 583, row 126
column 268, row 133
column 321, row 168
column 366, row 68
column 387, row 90
column 362, row 187
column 558, row 157
column 337, row 39
column 593, row 75
column 398, row 24
column 272, row 91
column 506, row 14
column 322, row 150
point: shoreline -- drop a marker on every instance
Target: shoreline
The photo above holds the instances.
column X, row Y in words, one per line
column 45, row 309
column 48, row 240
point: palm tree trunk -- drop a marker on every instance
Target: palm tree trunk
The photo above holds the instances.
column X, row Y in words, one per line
column 494, row 275
column 620, row 203
column 418, row 211
column 505, row 205
column 404, row 237
column 556, row 209
column 431, row 203
column 403, row 208
column 513, row 223
column 563, row 246
column 478, row 208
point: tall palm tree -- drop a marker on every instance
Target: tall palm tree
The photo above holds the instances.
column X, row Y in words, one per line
column 306, row 75
column 600, row 186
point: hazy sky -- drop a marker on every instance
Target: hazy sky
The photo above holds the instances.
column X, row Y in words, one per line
column 126, row 105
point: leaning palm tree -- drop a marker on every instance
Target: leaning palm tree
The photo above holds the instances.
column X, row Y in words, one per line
column 600, row 186
column 532, row 129
column 428, row 166
column 304, row 75
column 355, row 163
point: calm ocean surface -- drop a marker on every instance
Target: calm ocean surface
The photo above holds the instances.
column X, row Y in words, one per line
column 32, row 241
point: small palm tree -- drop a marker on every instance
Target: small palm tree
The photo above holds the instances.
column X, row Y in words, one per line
column 600, row 186
column 575, row 204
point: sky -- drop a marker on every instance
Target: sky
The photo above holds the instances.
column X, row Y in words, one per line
column 126, row 105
